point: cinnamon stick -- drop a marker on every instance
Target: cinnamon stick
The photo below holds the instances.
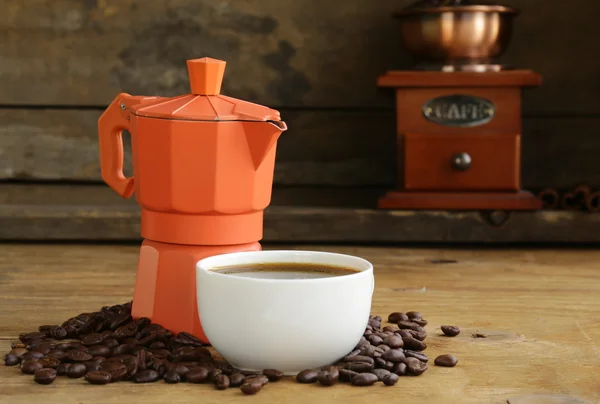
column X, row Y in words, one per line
column 592, row 202
column 549, row 198
column 576, row 199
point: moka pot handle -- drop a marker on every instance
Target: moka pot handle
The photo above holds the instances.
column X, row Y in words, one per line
column 111, row 125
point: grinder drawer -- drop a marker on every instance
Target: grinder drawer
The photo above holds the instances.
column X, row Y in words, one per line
column 462, row 162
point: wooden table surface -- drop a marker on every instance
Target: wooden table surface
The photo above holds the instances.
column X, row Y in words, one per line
column 540, row 311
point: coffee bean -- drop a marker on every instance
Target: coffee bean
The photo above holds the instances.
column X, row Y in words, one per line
column 236, row 379
column 380, row 373
column 212, row 374
column 92, row 365
column 390, row 379
column 188, row 339
column 258, row 378
column 99, row 350
column 397, row 316
column 375, row 339
column 181, row 354
column 362, row 342
column 393, row 355
column 53, row 331
column 417, row 355
column 30, row 336
column 250, row 388
column 77, row 355
column 157, row 345
column 346, row 375
column 197, row 375
column 374, row 323
column 44, row 376
column 419, row 335
column 413, row 314
column 30, row 366
column 127, row 330
column 221, row 382
column 421, row 321
column 150, row 339
column 359, row 367
column 11, row 360
column 399, row 369
column 415, row 367
column 368, row 350
column 225, row 367
column 98, row 377
column 380, row 363
column 55, row 351
column 117, row 320
column 92, row 339
column 273, row 374
column 383, row 348
column 364, row 379
column 18, row 352
column 181, row 370
column 32, row 355
column 450, row 330
column 448, row 361
column 351, row 354
column 307, row 376
column 143, row 322
column 111, row 343
column 61, row 369
column 49, row 363
column 76, row 370
column 333, row 369
column 414, row 344
column 393, row 341
column 325, row 378
column 44, row 347
column 145, row 376
column 118, row 371
column 108, row 334
column 360, row 358
column 132, row 368
column 409, row 325
column 122, row 349
column 172, row 377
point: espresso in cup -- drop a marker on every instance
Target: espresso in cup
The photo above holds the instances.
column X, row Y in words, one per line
column 288, row 310
column 286, row 270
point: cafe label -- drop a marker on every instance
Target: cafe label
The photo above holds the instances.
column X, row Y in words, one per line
column 459, row 110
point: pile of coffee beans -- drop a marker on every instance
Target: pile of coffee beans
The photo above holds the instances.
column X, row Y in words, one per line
column 384, row 354
column 110, row 346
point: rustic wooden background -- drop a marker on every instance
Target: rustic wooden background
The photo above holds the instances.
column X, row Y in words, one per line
column 63, row 61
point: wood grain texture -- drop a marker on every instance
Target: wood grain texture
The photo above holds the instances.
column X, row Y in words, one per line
column 121, row 222
column 322, row 148
column 509, row 78
column 100, row 194
column 461, row 201
column 538, row 309
column 304, row 53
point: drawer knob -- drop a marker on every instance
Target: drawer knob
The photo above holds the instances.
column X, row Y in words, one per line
column 461, row 162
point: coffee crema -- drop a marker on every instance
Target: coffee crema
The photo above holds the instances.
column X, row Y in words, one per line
column 286, row 270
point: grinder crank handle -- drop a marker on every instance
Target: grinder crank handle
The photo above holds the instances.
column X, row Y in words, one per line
column 111, row 125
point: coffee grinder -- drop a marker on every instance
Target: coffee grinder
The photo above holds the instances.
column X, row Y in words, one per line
column 458, row 111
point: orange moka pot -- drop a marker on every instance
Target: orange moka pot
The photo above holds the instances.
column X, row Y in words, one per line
column 202, row 173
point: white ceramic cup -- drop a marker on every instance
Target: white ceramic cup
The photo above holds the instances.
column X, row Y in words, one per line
column 284, row 324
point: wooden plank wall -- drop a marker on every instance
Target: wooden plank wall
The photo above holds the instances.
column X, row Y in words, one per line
column 63, row 61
